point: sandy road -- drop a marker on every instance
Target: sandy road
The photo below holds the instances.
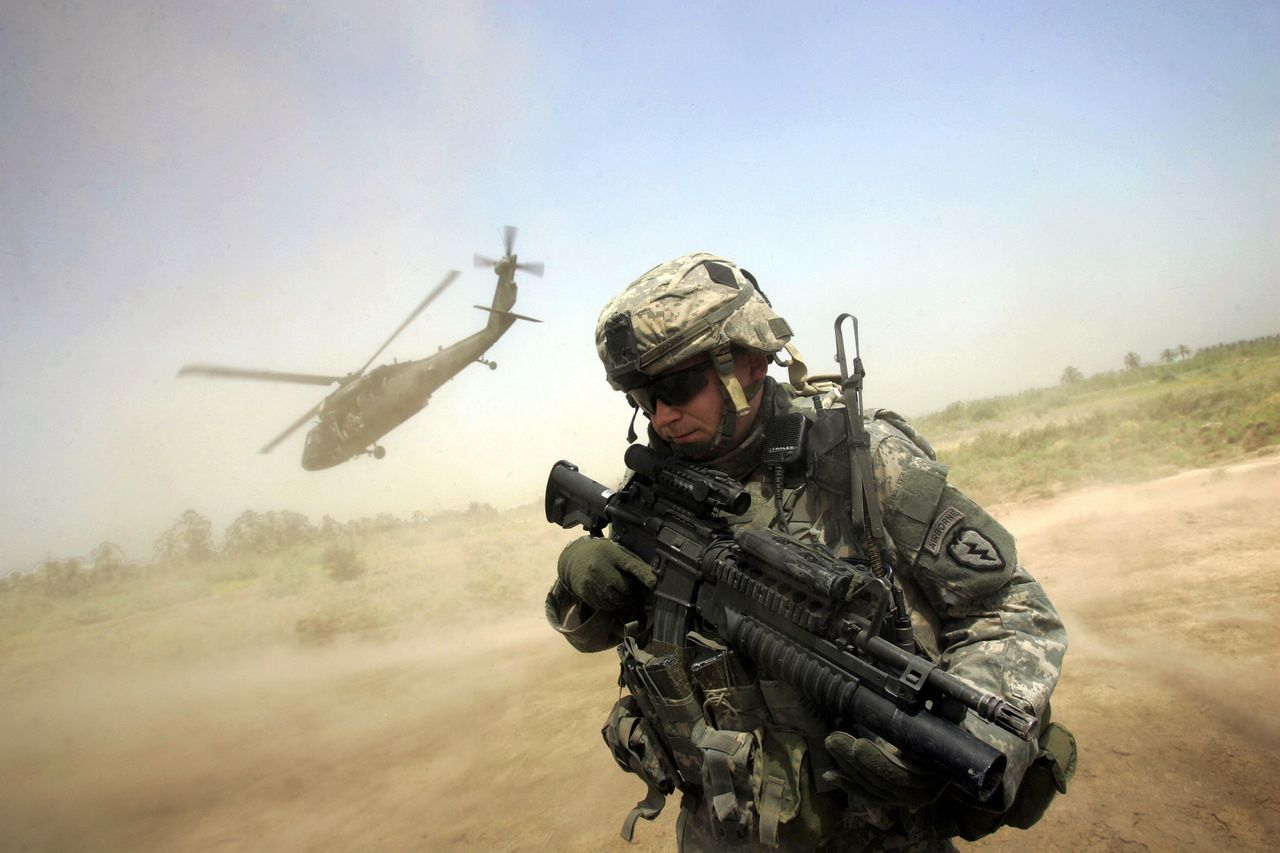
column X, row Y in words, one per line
column 487, row 737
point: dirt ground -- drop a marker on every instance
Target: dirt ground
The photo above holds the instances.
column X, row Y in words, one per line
column 484, row 735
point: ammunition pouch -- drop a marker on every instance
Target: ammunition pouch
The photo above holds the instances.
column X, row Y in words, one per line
column 677, row 746
column 637, row 749
column 747, row 749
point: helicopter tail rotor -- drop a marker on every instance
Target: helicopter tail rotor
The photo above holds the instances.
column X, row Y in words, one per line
column 508, row 244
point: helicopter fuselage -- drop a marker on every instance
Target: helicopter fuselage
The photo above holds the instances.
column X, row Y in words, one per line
column 368, row 404
column 366, row 408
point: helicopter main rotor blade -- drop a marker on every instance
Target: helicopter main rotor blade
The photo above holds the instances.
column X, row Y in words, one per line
column 532, row 268
column 509, row 239
column 448, row 280
column 292, row 428
column 260, row 375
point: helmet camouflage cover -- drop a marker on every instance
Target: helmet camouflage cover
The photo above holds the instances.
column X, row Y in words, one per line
column 692, row 304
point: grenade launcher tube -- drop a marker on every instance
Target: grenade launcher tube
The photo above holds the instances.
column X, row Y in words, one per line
column 971, row 764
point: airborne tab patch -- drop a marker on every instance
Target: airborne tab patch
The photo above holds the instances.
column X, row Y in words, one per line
column 942, row 525
column 970, row 548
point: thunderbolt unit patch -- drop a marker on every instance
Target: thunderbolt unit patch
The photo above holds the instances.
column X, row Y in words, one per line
column 970, row 548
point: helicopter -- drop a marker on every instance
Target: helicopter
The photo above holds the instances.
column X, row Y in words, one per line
column 368, row 404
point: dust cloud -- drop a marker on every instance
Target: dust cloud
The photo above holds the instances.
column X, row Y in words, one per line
column 478, row 728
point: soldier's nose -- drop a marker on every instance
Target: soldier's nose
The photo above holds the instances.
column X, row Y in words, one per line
column 664, row 414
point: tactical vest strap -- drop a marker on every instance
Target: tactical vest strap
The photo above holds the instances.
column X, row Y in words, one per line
column 770, row 807
column 726, row 779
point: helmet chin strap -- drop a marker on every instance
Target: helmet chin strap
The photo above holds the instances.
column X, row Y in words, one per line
column 631, row 427
column 736, row 404
column 722, row 360
column 736, row 399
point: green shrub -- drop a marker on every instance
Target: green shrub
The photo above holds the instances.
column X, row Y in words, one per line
column 229, row 570
column 342, row 562
column 62, row 578
column 490, row 587
column 326, row 624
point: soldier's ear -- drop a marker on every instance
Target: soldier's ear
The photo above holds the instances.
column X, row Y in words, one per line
column 757, row 365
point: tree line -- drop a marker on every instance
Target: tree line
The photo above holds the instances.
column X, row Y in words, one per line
column 1133, row 361
column 191, row 540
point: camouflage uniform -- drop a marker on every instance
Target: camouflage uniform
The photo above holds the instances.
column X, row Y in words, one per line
column 973, row 607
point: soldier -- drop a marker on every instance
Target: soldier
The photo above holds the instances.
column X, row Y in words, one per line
column 690, row 342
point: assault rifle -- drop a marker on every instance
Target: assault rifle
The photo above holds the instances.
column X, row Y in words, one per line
column 799, row 613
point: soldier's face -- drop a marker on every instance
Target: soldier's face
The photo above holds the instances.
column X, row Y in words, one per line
column 694, row 424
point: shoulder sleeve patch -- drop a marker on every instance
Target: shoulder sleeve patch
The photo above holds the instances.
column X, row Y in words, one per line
column 969, row 547
column 967, row 555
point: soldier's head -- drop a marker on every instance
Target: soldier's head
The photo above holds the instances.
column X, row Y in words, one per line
column 690, row 342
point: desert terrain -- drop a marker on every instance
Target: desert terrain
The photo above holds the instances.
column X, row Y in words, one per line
column 477, row 728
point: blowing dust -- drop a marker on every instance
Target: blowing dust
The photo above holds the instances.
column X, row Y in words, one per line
column 478, row 728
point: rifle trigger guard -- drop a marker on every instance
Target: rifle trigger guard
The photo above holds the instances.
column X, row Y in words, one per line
column 907, row 686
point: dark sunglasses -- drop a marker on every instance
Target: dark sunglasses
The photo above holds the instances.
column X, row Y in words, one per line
column 674, row 389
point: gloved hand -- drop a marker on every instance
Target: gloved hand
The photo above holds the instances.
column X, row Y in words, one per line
column 604, row 574
column 868, row 771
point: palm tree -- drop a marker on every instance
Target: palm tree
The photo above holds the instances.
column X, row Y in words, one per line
column 1071, row 376
column 1167, row 355
column 1132, row 361
column 1183, row 351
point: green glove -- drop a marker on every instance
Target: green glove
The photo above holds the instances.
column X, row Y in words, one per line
column 867, row 771
column 604, row 574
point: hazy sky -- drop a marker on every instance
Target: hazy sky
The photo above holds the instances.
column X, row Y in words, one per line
column 997, row 190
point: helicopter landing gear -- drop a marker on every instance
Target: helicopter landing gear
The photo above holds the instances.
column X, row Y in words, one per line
column 378, row 451
column 492, row 365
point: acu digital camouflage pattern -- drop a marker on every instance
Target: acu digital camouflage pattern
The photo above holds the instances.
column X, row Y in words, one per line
column 974, row 609
column 692, row 304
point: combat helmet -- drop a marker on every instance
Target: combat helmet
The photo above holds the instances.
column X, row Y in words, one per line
column 689, row 305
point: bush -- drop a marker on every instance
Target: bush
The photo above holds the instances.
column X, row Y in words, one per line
column 324, row 625
column 267, row 533
column 488, row 586
column 62, row 578
column 342, row 562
